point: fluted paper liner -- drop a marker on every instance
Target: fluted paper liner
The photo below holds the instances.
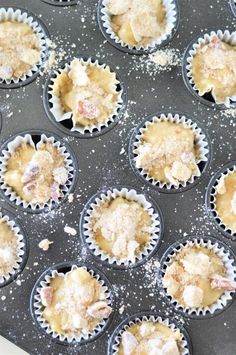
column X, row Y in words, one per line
column 27, row 139
column 228, row 263
column 200, row 140
column 20, row 243
column 171, row 22
column 227, row 37
column 130, row 195
column 213, row 194
column 156, row 319
column 10, row 14
column 38, row 308
column 57, row 109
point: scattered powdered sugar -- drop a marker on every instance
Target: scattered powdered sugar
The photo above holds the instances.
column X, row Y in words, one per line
column 230, row 113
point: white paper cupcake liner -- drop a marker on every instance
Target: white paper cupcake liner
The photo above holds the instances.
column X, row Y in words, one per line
column 19, row 15
column 201, row 141
column 27, row 139
column 131, row 195
column 21, row 249
column 219, row 249
column 57, row 110
column 171, row 24
column 212, row 195
column 38, row 308
column 183, row 343
column 226, row 37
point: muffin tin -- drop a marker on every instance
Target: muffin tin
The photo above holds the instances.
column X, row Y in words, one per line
column 104, row 161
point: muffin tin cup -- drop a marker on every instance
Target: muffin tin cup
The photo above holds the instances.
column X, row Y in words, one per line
column 211, row 196
column 36, row 306
column 130, row 194
column 202, row 140
column 233, row 6
column 61, row 2
column 21, row 15
column 114, row 341
column 63, row 121
column 191, row 50
column 23, row 248
column 172, row 26
column 35, row 138
column 223, row 251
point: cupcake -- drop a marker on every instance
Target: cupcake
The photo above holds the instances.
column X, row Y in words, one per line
column 12, row 249
column 136, row 29
column 149, row 335
column 137, row 26
column 199, row 276
column 121, row 227
column 35, row 174
column 23, row 46
column 211, row 67
column 87, row 93
column 72, row 305
column 169, row 150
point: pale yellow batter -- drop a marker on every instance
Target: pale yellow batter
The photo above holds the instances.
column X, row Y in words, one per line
column 168, row 152
column 135, row 24
column 89, row 92
column 74, row 304
column 214, row 69
column 122, row 228
column 150, row 338
column 36, row 175
column 19, row 49
column 226, row 201
column 196, row 277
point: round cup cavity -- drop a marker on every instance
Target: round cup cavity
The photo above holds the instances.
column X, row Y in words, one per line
column 64, row 268
column 204, row 142
column 44, row 35
column 70, row 158
column 66, row 125
column 102, row 257
column 233, row 6
column 24, row 249
column 207, row 99
column 176, row 247
column 138, row 318
column 61, row 2
column 210, row 199
column 113, row 39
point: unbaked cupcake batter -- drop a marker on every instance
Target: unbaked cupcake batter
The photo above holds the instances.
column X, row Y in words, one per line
column 19, row 49
column 196, row 277
column 74, row 304
column 150, row 338
column 89, row 92
column 135, row 24
column 36, row 175
column 214, row 69
column 226, row 200
column 121, row 228
column 168, row 152
column 8, row 248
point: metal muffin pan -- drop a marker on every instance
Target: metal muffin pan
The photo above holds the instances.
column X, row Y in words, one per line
column 104, row 161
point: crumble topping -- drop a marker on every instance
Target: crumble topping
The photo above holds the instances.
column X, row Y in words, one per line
column 121, row 228
column 19, row 49
column 196, row 277
column 74, row 304
column 89, row 92
column 150, row 338
column 168, row 153
column 36, row 175
column 45, row 244
column 214, row 69
column 135, row 24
